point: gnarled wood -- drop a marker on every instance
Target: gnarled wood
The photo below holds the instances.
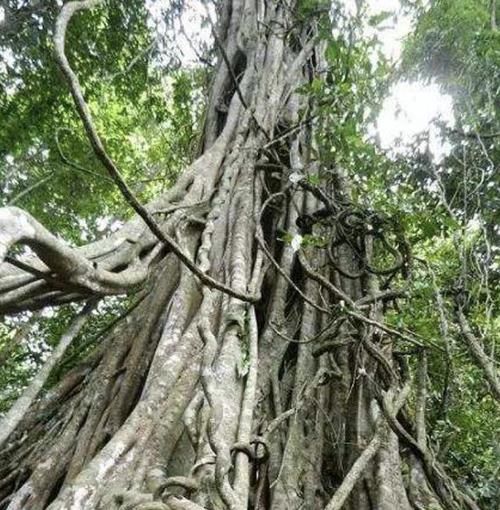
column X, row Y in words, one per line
column 201, row 398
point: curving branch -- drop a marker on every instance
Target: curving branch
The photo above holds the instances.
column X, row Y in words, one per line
column 19, row 227
column 28, row 284
column 67, row 12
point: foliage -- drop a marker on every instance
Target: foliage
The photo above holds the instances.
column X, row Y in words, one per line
column 447, row 209
column 144, row 114
column 149, row 118
column 451, row 215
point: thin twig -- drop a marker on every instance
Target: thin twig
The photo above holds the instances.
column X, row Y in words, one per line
column 73, row 164
column 17, row 412
column 29, row 189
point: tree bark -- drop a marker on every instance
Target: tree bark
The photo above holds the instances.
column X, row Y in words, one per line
column 199, row 400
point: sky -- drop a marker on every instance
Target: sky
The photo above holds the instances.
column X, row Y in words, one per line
column 410, row 107
column 409, row 110
column 392, row 30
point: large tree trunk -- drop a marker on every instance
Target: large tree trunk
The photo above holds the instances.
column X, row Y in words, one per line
column 199, row 400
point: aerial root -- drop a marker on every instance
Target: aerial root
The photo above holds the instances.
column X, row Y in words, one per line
column 395, row 403
column 252, row 450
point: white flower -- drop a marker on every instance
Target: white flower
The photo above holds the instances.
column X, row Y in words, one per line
column 296, row 242
column 295, row 177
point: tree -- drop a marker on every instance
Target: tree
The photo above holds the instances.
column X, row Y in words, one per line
column 253, row 367
column 457, row 45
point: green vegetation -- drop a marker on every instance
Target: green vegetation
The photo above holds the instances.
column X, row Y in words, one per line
column 150, row 115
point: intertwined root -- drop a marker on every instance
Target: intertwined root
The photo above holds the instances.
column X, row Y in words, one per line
column 252, row 372
column 199, row 400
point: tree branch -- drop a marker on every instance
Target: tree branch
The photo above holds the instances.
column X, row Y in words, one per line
column 67, row 12
column 241, row 465
column 30, row 188
column 421, row 400
column 259, row 236
column 19, row 227
column 222, row 457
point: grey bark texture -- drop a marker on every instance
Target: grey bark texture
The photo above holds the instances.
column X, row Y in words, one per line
column 250, row 374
